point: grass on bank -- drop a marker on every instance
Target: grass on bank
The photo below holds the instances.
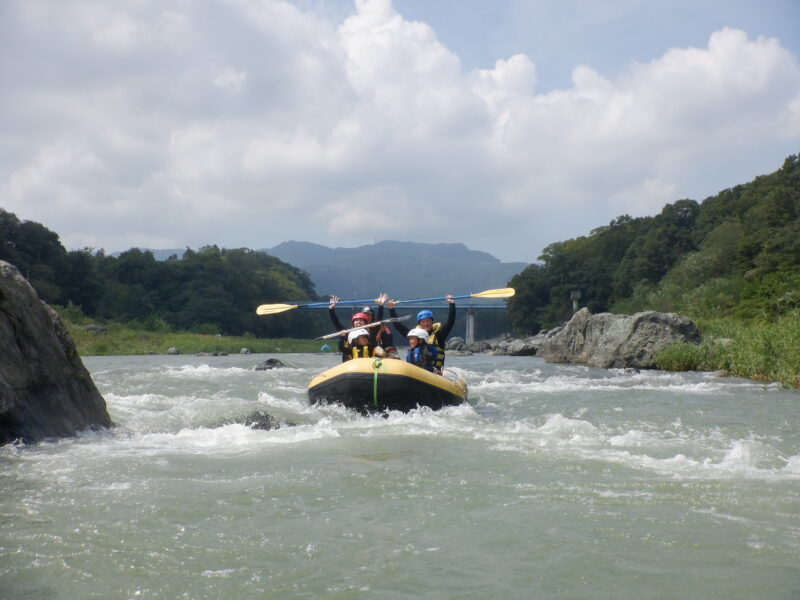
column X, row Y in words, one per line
column 129, row 339
column 760, row 350
column 125, row 341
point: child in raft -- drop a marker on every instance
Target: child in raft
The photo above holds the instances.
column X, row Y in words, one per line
column 437, row 333
column 360, row 344
column 420, row 353
column 385, row 339
column 359, row 319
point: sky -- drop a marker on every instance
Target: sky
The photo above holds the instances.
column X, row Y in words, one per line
column 505, row 125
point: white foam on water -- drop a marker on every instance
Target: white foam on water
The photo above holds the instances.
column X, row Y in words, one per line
column 579, row 379
column 562, row 437
column 206, row 371
column 231, row 439
column 156, row 412
column 197, row 422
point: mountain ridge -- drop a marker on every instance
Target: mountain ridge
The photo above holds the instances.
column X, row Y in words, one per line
column 403, row 269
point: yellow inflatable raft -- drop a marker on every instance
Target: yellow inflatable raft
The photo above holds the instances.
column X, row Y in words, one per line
column 376, row 385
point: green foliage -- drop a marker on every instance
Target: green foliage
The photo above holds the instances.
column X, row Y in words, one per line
column 658, row 248
column 771, row 294
column 768, row 351
column 211, row 290
column 124, row 340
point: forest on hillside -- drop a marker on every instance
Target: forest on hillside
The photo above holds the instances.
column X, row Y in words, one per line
column 735, row 255
column 210, row 290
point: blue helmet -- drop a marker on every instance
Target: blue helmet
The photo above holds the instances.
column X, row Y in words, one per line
column 424, row 314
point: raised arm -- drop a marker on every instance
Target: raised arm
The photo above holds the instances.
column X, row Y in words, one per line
column 337, row 325
column 451, row 319
column 399, row 327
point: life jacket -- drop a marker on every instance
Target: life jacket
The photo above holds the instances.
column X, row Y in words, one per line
column 415, row 357
column 360, row 352
column 437, row 348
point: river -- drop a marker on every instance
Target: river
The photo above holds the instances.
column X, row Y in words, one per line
column 553, row 481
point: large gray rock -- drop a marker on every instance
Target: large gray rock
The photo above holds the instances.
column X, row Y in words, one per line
column 45, row 391
column 617, row 341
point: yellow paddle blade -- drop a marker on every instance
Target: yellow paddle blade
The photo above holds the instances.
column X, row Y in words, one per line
column 271, row 309
column 498, row 293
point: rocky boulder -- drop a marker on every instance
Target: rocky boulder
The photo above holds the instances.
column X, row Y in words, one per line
column 617, row 341
column 455, row 343
column 270, row 363
column 45, row 391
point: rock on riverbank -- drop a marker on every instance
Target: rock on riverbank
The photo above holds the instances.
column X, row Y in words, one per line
column 45, row 391
column 603, row 340
column 617, row 341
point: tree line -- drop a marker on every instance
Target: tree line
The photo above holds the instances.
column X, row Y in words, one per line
column 736, row 254
column 210, row 290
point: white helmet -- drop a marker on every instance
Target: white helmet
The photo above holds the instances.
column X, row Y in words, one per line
column 418, row 332
column 351, row 337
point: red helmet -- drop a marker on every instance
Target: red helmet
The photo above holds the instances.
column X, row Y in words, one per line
column 360, row 316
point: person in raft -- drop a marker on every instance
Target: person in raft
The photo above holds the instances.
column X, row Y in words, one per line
column 360, row 344
column 359, row 319
column 419, row 352
column 385, row 338
column 437, row 333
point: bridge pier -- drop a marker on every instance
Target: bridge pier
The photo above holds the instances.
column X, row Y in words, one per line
column 470, row 334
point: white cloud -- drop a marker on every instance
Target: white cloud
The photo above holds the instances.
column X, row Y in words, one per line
column 231, row 80
column 55, row 177
column 245, row 123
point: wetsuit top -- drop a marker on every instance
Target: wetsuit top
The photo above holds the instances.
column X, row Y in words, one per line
column 338, row 325
column 421, row 356
column 437, row 337
column 385, row 338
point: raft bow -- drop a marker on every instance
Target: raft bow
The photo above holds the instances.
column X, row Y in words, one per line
column 376, row 385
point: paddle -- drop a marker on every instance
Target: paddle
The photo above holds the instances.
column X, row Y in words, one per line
column 272, row 309
column 392, row 320
column 498, row 293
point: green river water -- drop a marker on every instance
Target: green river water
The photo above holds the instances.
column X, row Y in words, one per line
column 553, row 481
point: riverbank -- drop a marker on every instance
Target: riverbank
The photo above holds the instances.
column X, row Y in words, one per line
column 121, row 340
column 767, row 350
column 763, row 351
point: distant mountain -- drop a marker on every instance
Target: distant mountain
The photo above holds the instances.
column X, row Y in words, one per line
column 402, row 269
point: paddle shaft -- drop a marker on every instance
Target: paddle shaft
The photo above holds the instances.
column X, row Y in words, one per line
column 270, row 309
column 368, row 325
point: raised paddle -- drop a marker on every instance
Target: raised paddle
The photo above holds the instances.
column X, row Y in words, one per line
column 498, row 293
column 392, row 320
column 273, row 309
